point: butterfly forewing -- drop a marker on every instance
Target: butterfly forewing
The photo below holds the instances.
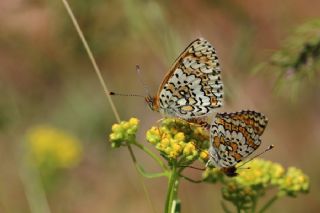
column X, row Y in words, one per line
column 234, row 136
column 193, row 86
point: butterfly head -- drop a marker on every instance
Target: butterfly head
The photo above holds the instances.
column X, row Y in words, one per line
column 151, row 101
column 230, row 171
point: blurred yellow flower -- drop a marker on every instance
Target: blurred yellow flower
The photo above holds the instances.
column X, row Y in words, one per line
column 48, row 144
column 294, row 182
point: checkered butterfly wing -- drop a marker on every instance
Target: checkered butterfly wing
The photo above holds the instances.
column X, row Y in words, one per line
column 234, row 136
column 193, row 86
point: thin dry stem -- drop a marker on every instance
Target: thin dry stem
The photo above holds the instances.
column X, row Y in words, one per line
column 104, row 86
column 92, row 59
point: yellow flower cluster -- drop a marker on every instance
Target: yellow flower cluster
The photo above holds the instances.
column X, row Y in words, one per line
column 123, row 133
column 260, row 172
column 241, row 194
column 295, row 181
column 53, row 147
column 255, row 179
column 178, row 140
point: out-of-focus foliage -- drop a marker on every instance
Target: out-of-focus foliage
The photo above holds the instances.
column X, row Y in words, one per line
column 301, row 50
column 297, row 63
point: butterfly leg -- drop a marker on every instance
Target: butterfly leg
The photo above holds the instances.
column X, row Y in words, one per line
column 158, row 124
column 160, row 120
column 208, row 163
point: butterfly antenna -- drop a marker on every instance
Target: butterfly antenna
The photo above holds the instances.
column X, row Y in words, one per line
column 146, row 88
column 266, row 150
column 132, row 95
column 244, row 167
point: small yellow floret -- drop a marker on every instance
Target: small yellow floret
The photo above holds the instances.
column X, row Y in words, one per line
column 179, row 136
column 173, row 154
column 189, row 149
column 165, row 142
column 116, row 127
column 176, row 148
column 154, row 130
column 204, row 155
column 134, row 121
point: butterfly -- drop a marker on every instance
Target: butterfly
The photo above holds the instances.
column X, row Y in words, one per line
column 192, row 88
column 233, row 137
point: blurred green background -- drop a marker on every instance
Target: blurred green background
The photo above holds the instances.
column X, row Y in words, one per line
column 49, row 91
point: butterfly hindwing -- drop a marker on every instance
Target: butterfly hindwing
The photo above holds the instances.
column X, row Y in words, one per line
column 234, row 136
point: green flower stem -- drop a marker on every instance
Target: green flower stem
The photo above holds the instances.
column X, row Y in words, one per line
column 269, row 203
column 254, row 206
column 238, row 208
column 152, row 155
column 225, row 208
column 191, row 180
column 172, row 189
column 151, row 175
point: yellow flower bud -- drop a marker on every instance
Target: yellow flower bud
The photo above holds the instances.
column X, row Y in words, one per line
column 173, row 154
column 154, row 130
column 189, row 149
column 116, row 127
column 133, row 121
column 176, row 147
column 165, row 142
column 167, row 150
column 126, row 125
column 204, row 155
column 179, row 136
column 301, row 179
